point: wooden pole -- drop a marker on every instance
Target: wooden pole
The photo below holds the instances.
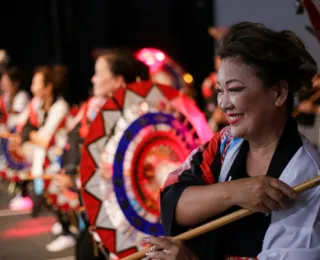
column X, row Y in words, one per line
column 312, row 99
column 239, row 214
column 44, row 177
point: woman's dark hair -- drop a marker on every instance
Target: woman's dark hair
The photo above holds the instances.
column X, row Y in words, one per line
column 273, row 56
column 17, row 76
column 56, row 75
column 142, row 70
column 123, row 63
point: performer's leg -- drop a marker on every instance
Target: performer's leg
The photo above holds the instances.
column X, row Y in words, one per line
column 66, row 238
column 37, row 198
column 22, row 201
column 64, row 222
column 24, row 189
column 38, row 201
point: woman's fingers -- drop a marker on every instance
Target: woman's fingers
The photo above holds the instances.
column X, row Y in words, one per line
column 284, row 188
column 159, row 242
column 270, row 203
column 277, row 196
column 161, row 255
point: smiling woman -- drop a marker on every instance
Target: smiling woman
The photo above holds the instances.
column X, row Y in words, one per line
column 253, row 163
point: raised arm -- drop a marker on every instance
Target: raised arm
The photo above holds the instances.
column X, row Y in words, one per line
column 184, row 200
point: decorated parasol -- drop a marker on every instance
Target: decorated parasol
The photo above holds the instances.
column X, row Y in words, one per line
column 15, row 167
column 141, row 134
column 164, row 70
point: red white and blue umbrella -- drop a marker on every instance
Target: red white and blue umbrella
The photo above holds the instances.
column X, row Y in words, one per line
column 141, row 134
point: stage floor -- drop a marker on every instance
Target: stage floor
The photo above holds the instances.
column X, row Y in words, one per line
column 23, row 237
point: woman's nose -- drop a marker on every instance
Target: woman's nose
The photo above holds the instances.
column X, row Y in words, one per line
column 224, row 101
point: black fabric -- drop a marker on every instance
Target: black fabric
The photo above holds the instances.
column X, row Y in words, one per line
column 24, row 188
column 171, row 194
column 38, row 202
column 71, row 156
column 255, row 226
column 64, row 220
column 288, row 145
column 243, row 237
column 26, row 130
column 232, row 240
column 85, row 249
column 169, row 199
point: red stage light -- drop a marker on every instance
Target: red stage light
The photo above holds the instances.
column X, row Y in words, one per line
column 154, row 58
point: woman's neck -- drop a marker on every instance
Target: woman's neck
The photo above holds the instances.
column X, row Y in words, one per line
column 267, row 141
column 261, row 150
column 13, row 94
column 47, row 103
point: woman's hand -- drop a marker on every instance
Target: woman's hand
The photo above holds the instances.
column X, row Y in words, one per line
column 261, row 193
column 5, row 134
column 37, row 140
column 166, row 248
column 306, row 107
column 64, row 181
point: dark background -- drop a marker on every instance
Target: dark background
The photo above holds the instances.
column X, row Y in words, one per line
column 67, row 31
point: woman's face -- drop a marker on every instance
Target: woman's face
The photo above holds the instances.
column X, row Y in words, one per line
column 103, row 80
column 8, row 86
column 249, row 106
column 38, row 87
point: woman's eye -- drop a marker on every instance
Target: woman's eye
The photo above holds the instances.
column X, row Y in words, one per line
column 237, row 89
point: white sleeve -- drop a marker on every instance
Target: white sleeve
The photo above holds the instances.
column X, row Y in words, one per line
column 20, row 101
column 56, row 115
column 23, row 116
column 294, row 233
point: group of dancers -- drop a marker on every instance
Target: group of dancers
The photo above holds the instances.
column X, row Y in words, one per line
column 30, row 124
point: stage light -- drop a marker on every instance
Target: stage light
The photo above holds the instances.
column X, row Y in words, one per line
column 188, row 78
column 160, row 56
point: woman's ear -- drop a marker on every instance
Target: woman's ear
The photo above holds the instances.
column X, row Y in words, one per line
column 281, row 91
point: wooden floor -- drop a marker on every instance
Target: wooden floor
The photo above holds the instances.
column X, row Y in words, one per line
column 23, row 237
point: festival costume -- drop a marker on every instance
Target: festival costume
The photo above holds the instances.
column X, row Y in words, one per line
column 285, row 234
column 10, row 111
column 78, row 131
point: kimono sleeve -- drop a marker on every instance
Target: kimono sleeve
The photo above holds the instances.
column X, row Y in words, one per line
column 56, row 115
column 21, row 102
column 197, row 170
column 294, row 233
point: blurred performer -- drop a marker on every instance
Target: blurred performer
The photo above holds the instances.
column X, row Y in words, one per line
column 214, row 114
column 308, row 112
column 313, row 10
column 4, row 60
column 113, row 70
column 45, row 116
column 13, row 100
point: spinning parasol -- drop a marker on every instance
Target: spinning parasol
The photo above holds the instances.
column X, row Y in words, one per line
column 141, row 134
